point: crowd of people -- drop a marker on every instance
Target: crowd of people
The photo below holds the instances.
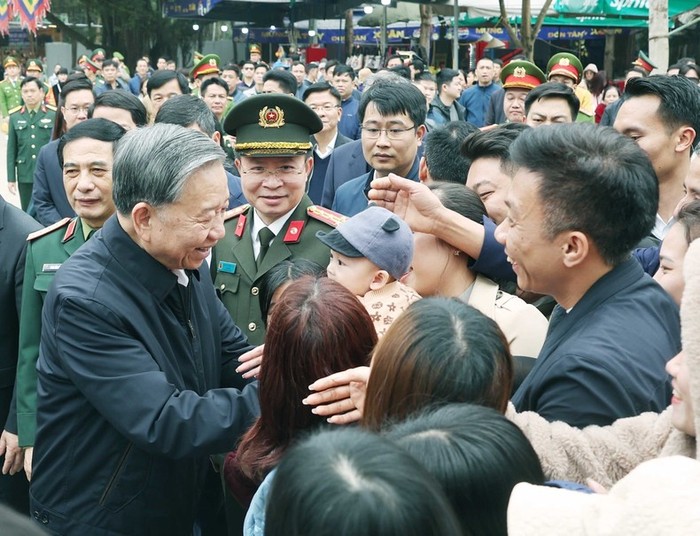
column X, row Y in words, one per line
column 244, row 299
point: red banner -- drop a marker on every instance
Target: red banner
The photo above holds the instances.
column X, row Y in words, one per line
column 31, row 12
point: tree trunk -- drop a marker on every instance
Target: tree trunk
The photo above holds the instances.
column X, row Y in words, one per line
column 658, row 33
column 349, row 34
column 426, row 28
column 609, row 55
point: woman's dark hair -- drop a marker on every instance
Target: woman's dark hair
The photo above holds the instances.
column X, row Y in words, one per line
column 609, row 87
column 439, row 351
column 477, row 456
column 284, row 272
column 354, row 483
column 317, row 328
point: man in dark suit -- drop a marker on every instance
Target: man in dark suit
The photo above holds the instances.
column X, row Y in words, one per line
column 15, row 225
column 346, row 163
column 325, row 100
column 48, row 195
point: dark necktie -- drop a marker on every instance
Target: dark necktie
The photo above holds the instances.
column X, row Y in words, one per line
column 265, row 236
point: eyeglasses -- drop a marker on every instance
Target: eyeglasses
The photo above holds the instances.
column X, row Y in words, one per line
column 284, row 172
column 328, row 108
column 372, row 133
column 75, row 110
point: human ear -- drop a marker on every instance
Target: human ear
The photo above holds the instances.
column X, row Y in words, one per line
column 575, row 248
column 381, row 279
column 142, row 216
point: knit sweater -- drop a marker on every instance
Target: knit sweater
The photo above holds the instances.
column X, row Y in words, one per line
column 387, row 303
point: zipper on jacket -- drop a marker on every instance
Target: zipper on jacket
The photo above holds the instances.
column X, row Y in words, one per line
column 115, row 475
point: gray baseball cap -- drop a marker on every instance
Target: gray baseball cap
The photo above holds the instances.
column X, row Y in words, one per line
column 376, row 234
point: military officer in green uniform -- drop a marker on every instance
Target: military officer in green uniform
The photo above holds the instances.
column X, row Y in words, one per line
column 36, row 69
column 274, row 160
column 29, row 130
column 85, row 153
column 10, row 95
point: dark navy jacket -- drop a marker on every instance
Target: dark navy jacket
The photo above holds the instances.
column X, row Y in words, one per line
column 606, row 358
column 349, row 124
column 235, row 191
column 130, row 399
column 346, row 163
column 48, row 194
column 351, row 197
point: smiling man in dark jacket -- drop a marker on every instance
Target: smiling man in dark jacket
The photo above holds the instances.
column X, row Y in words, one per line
column 137, row 353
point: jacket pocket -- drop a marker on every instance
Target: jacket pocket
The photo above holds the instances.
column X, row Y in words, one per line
column 43, row 282
column 227, row 283
column 128, row 479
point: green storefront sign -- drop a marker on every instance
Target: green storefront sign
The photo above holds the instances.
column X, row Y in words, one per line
column 619, row 8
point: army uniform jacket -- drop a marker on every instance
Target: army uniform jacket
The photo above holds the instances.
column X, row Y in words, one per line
column 10, row 96
column 47, row 249
column 236, row 275
column 25, row 138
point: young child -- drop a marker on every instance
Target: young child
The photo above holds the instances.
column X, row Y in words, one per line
column 370, row 252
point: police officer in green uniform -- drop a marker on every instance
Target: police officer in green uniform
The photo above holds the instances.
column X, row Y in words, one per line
column 205, row 67
column 10, row 95
column 85, row 152
column 29, row 130
column 273, row 157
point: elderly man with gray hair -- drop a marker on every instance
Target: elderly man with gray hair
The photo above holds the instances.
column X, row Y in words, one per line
column 137, row 353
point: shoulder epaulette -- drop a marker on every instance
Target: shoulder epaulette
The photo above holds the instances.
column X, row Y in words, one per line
column 49, row 229
column 236, row 212
column 50, row 107
column 326, row 215
column 15, row 109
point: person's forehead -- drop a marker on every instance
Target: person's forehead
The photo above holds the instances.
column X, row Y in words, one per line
column 272, row 161
column 87, row 150
column 638, row 112
column 214, row 90
column 372, row 113
column 321, row 96
column 168, row 87
column 549, row 104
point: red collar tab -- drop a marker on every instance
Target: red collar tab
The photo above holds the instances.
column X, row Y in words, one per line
column 293, row 234
column 240, row 226
column 70, row 232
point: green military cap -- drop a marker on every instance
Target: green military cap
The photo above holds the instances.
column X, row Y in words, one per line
column 255, row 49
column 521, row 74
column 565, row 64
column 35, row 65
column 10, row 61
column 98, row 54
column 644, row 62
column 118, row 55
column 272, row 124
column 207, row 65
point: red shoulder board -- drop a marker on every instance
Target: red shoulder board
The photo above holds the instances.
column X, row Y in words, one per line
column 47, row 230
column 240, row 226
column 293, row 234
column 70, row 232
column 326, row 215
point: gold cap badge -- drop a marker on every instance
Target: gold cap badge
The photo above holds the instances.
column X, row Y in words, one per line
column 519, row 72
column 271, row 117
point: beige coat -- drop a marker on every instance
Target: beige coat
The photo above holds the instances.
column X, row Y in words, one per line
column 608, row 453
column 523, row 325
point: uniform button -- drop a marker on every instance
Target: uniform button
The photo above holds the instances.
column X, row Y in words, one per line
column 254, row 291
column 223, row 287
column 252, row 326
column 34, row 156
column 33, row 146
column 32, row 126
column 33, row 136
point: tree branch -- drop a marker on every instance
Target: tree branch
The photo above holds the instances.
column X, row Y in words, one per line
column 506, row 24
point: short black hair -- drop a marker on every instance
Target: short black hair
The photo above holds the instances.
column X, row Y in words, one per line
column 391, row 98
column 445, row 76
column 214, row 81
column 233, row 67
column 283, row 272
column 310, row 66
column 425, row 75
column 689, row 217
column 95, row 129
column 686, row 67
column 160, row 78
column 392, row 57
column 110, row 63
column 248, row 62
column 341, row 68
column 123, row 100
column 554, row 90
column 401, row 70
column 679, row 96
column 187, row 110
column 494, row 143
column 594, row 180
column 442, row 152
column 76, row 84
column 285, row 79
column 320, row 87
column 30, row 80
column 464, row 201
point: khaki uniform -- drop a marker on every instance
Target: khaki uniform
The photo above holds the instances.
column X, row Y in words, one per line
column 28, row 132
column 237, row 278
column 47, row 249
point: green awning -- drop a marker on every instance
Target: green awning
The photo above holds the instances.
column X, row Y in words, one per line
column 620, row 8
